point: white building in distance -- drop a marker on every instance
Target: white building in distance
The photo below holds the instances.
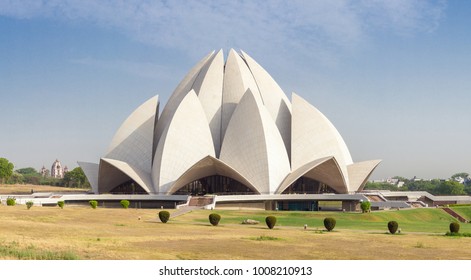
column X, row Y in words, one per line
column 56, row 170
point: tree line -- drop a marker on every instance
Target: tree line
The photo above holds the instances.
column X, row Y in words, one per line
column 73, row 179
column 435, row 186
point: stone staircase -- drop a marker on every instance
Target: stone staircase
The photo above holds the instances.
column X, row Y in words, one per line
column 200, row 201
column 455, row 215
column 196, row 202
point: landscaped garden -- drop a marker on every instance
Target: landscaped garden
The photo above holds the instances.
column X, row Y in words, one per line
column 103, row 233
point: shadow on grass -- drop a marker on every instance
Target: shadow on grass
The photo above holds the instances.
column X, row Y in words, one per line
column 153, row 221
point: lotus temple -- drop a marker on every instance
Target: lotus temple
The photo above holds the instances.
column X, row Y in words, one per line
column 229, row 137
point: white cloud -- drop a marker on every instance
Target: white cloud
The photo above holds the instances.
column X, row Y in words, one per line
column 403, row 16
column 317, row 29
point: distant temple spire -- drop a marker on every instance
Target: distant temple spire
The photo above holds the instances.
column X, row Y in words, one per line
column 56, row 170
column 44, row 172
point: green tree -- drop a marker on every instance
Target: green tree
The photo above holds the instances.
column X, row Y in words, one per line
column 93, row 204
column 428, row 186
column 380, row 186
column 61, row 204
column 75, row 178
column 392, row 227
column 467, row 189
column 454, row 227
column 125, row 203
column 27, row 170
column 164, row 216
column 271, row 221
column 6, row 169
column 329, row 223
column 451, row 188
column 463, row 175
column 29, row 204
column 11, row 201
column 214, row 219
column 16, row 178
column 365, row 206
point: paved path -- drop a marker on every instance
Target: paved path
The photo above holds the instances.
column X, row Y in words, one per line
column 184, row 210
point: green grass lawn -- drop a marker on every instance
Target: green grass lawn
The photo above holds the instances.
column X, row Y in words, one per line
column 415, row 220
column 117, row 233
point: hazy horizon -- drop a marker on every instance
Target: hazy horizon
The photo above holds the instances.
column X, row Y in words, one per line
column 392, row 76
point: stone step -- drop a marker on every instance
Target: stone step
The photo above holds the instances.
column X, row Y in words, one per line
column 455, row 215
column 183, row 210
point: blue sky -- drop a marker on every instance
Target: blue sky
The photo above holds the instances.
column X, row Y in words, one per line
column 392, row 76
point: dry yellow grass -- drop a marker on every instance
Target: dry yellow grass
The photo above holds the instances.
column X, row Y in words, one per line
column 118, row 234
column 26, row 189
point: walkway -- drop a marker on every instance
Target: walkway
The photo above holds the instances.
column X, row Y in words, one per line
column 184, row 210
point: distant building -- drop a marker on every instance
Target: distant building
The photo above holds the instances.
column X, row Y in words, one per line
column 392, row 181
column 44, row 172
column 57, row 171
column 415, row 179
column 460, row 179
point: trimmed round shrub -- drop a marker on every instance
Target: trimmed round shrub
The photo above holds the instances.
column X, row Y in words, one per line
column 61, row 204
column 11, row 201
column 365, row 206
column 214, row 219
column 271, row 221
column 29, row 204
column 93, row 203
column 124, row 203
column 454, row 227
column 164, row 216
column 392, row 227
column 329, row 223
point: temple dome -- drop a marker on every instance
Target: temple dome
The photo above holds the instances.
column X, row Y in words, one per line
column 227, row 118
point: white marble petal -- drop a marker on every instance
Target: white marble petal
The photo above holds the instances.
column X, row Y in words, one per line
column 208, row 87
column 273, row 98
column 91, row 172
column 237, row 79
column 325, row 170
column 186, row 141
column 359, row 173
column 178, row 94
column 132, row 142
column 253, row 146
column 140, row 177
column 314, row 137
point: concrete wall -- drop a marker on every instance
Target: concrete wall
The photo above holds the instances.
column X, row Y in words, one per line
column 242, row 205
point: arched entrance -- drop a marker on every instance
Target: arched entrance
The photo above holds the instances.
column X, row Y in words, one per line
column 215, row 184
column 308, row 186
column 128, row 187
